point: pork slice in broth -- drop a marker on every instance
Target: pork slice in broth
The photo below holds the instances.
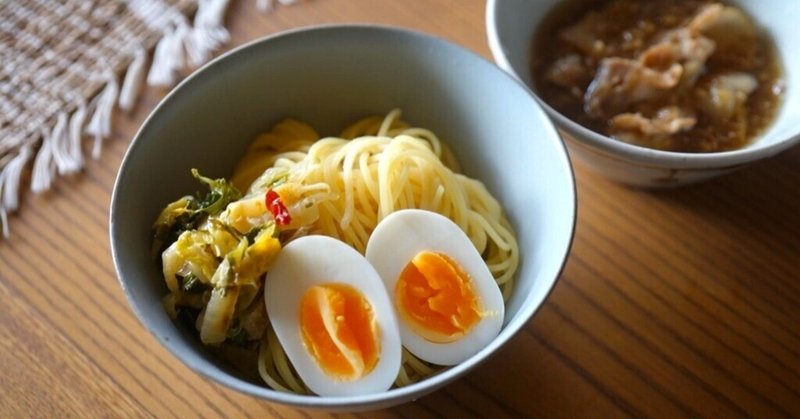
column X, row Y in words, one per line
column 733, row 32
column 571, row 73
column 621, row 82
column 727, row 95
column 637, row 128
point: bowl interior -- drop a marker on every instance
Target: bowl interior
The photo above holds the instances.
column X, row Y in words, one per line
column 512, row 25
column 329, row 77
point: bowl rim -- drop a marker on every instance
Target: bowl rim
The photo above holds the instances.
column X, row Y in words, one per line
column 627, row 151
column 394, row 395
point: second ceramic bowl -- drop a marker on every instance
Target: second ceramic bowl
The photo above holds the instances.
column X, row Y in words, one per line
column 511, row 26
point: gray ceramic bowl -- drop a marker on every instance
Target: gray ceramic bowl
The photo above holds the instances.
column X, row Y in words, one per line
column 511, row 25
column 329, row 77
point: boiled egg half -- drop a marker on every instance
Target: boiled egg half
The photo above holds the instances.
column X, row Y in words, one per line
column 448, row 304
column 332, row 314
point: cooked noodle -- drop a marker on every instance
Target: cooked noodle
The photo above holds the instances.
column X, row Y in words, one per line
column 349, row 184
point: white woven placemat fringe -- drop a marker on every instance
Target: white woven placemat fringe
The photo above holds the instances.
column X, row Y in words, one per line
column 51, row 135
column 266, row 6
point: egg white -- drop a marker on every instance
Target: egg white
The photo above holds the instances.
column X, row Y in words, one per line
column 317, row 260
column 395, row 242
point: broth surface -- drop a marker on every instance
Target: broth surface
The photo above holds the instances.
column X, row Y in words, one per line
column 690, row 75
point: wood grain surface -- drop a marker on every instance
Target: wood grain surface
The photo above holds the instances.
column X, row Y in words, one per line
column 675, row 303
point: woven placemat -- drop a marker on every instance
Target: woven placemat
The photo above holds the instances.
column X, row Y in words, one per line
column 65, row 65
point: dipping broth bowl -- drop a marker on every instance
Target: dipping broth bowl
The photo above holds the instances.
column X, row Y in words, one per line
column 511, row 26
column 329, row 77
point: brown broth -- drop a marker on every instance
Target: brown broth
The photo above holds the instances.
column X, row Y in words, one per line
column 628, row 28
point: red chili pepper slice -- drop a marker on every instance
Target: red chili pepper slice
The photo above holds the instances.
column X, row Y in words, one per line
column 276, row 207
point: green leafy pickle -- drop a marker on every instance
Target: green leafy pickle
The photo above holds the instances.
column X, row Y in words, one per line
column 174, row 219
column 220, row 194
column 193, row 285
column 189, row 212
column 237, row 336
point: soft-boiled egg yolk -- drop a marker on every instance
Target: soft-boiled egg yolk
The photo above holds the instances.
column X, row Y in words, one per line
column 339, row 330
column 436, row 298
column 447, row 300
column 332, row 314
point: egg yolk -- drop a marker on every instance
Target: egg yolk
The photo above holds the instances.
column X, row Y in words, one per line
column 436, row 299
column 339, row 330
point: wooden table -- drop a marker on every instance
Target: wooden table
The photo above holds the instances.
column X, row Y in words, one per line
column 675, row 303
